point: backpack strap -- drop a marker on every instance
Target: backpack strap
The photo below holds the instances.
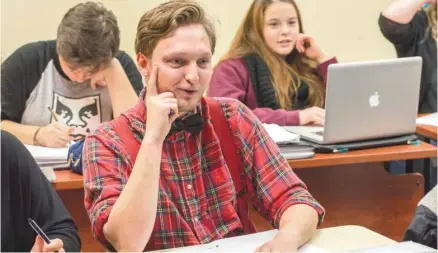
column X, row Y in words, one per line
column 234, row 162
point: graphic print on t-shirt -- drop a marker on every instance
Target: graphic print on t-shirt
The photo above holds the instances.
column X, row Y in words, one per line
column 83, row 114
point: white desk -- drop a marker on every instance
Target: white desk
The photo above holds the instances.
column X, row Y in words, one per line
column 335, row 239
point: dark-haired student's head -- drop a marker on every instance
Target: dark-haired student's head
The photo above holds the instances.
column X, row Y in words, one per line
column 88, row 38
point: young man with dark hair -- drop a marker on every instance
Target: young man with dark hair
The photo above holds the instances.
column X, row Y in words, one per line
column 81, row 76
column 158, row 176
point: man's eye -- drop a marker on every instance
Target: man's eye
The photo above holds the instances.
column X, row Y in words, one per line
column 203, row 62
column 176, row 62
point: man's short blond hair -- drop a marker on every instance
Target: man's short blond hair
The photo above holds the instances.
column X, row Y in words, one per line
column 161, row 21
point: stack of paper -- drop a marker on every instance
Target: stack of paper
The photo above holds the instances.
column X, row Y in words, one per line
column 49, row 157
column 431, row 119
column 49, row 173
column 280, row 135
column 288, row 143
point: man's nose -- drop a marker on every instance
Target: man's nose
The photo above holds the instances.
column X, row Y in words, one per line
column 192, row 74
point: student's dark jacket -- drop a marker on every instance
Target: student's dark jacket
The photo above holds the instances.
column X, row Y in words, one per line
column 415, row 39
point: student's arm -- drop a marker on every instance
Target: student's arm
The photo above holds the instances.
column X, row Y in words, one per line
column 121, row 91
column 131, row 71
column 402, row 11
column 20, row 74
column 107, row 199
column 404, row 25
column 35, row 197
column 323, row 68
column 279, row 194
column 231, row 79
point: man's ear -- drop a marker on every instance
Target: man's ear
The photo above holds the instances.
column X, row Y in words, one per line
column 143, row 64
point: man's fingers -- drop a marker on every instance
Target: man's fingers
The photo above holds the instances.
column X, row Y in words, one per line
column 170, row 100
column 151, row 89
column 62, row 127
column 54, row 245
column 93, row 85
column 38, row 245
column 166, row 94
column 173, row 112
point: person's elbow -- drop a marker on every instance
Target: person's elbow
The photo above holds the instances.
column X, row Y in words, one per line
column 122, row 240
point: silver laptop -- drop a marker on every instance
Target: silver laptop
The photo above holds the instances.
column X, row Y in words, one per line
column 368, row 100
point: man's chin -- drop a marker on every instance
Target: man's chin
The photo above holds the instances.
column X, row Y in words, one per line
column 187, row 107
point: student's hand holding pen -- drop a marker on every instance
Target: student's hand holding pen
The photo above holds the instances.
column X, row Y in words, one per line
column 54, row 135
column 55, row 245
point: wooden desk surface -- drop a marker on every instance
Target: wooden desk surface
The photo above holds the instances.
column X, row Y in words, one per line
column 67, row 180
column 426, row 130
column 384, row 154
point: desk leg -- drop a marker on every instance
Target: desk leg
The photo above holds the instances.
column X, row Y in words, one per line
column 426, row 170
column 74, row 202
column 409, row 166
column 365, row 195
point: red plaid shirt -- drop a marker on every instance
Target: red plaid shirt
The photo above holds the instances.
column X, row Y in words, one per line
column 197, row 198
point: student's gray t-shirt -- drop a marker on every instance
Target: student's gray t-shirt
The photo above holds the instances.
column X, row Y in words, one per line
column 32, row 81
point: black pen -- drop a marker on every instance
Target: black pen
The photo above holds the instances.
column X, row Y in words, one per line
column 38, row 230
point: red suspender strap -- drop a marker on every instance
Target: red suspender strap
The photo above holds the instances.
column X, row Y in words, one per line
column 234, row 162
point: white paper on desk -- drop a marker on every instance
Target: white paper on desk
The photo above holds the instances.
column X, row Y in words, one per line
column 279, row 135
column 249, row 243
column 48, row 155
column 431, row 119
column 49, row 173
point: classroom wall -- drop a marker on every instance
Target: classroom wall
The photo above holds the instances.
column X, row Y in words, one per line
column 345, row 28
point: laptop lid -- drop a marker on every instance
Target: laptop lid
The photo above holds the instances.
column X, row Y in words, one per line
column 373, row 99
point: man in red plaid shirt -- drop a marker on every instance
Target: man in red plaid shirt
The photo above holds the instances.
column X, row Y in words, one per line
column 179, row 190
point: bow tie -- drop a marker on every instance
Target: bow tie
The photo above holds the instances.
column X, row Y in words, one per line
column 192, row 124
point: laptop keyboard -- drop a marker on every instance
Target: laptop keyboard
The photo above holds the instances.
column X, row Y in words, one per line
column 321, row 133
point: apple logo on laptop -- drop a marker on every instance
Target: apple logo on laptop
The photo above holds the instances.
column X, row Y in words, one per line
column 374, row 100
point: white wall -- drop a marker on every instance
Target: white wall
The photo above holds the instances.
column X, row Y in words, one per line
column 345, row 28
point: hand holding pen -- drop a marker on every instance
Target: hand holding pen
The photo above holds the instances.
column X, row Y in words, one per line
column 42, row 241
column 54, row 135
